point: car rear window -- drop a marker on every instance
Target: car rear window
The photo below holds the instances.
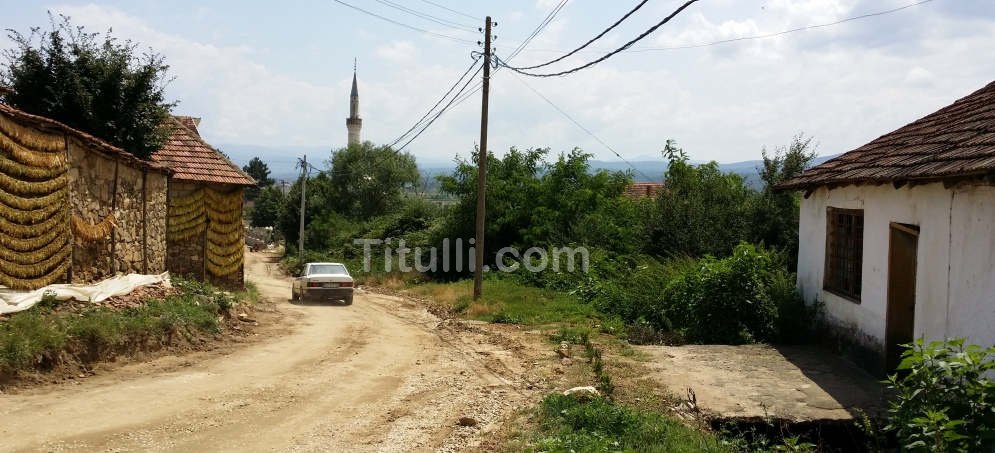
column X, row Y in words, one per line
column 327, row 269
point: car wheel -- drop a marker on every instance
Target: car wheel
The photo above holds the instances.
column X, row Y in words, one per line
column 348, row 300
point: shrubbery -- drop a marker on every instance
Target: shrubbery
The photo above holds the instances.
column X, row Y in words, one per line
column 40, row 336
column 944, row 397
column 732, row 300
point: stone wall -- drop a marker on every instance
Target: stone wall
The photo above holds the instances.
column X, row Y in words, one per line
column 100, row 184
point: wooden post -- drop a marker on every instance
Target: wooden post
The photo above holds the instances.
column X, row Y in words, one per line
column 478, row 270
column 117, row 163
column 145, row 223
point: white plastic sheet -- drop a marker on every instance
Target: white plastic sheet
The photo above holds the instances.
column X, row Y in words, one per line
column 13, row 301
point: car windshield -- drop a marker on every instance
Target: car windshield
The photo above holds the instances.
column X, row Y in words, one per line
column 327, row 269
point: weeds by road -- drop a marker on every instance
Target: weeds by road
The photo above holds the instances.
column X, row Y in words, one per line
column 52, row 334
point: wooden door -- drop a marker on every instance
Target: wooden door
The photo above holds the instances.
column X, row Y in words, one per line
column 902, row 247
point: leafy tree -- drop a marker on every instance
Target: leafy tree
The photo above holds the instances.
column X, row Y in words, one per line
column 367, row 179
column 267, row 207
column 259, row 171
column 91, row 82
column 702, row 211
column 512, row 188
column 775, row 213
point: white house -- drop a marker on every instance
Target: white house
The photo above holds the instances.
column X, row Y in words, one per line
column 897, row 237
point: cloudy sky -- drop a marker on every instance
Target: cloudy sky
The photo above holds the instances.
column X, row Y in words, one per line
column 277, row 73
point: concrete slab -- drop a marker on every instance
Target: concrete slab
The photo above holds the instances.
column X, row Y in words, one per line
column 796, row 383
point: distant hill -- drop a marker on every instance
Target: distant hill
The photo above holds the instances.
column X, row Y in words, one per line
column 282, row 163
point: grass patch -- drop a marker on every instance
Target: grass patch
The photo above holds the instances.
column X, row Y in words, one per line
column 42, row 337
column 569, row 424
column 507, row 301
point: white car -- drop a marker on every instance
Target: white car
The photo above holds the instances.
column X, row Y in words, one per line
column 322, row 282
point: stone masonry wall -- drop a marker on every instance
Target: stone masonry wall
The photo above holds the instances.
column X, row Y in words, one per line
column 155, row 221
column 91, row 179
column 137, row 242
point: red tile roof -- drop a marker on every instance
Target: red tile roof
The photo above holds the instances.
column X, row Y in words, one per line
column 954, row 142
column 192, row 159
column 88, row 140
column 643, row 189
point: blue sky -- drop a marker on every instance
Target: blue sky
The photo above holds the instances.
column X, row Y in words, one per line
column 277, row 74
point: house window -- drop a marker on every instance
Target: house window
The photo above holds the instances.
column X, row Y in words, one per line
column 844, row 252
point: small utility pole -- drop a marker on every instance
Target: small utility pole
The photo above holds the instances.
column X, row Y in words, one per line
column 478, row 269
column 300, row 233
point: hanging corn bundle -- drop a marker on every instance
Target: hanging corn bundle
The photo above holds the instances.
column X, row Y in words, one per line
column 186, row 217
column 225, row 235
column 93, row 232
column 35, row 236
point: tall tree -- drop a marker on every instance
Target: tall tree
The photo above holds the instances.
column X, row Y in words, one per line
column 259, row 171
column 702, row 211
column 367, row 179
column 775, row 214
column 267, row 207
column 91, row 82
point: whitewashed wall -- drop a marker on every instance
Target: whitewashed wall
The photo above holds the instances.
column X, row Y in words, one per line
column 955, row 278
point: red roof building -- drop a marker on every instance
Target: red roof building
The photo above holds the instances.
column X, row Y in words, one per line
column 206, row 235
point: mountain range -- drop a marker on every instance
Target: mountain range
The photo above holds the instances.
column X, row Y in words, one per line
column 282, row 162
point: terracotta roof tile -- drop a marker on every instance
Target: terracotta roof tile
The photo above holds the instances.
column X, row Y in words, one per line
column 957, row 140
column 192, row 159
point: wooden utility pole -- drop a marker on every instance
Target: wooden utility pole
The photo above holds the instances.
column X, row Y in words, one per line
column 478, row 269
column 300, row 232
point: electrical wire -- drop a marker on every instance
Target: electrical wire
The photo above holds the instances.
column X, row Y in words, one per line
column 468, row 16
column 443, row 110
column 542, row 26
column 429, row 112
column 402, row 24
column 784, row 32
column 610, row 54
column 581, row 126
column 591, row 41
column 429, row 17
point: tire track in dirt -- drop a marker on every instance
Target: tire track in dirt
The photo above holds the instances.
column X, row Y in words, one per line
column 380, row 375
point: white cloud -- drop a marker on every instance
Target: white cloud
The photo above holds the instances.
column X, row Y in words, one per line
column 398, row 52
column 844, row 85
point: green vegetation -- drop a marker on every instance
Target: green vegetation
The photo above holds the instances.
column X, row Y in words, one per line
column 42, row 337
column 571, row 424
column 678, row 267
column 95, row 83
column 508, row 301
column 944, row 397
column 259, row 171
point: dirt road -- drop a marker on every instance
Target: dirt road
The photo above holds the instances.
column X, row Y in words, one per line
column 380, row 375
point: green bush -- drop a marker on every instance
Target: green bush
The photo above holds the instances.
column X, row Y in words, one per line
column 944, row 397
column 39, row 337
column 568, row 424
column 733, row 300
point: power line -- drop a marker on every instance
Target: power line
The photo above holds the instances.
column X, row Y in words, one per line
column 581, row 126
column 429, row 17
column 784, row 32
column 612, row 53
column 429, row 112
column 453, row 10
column 542, row 26
column 599, row 36
column 402, row 24
column 443, row 110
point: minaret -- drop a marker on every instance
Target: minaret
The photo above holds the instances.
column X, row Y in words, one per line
column 354, row 123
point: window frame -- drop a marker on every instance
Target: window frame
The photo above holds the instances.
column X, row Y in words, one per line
column 830, row 281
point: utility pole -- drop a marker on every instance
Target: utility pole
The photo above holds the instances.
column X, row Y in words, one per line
column 300, row 232
column 478, row 269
